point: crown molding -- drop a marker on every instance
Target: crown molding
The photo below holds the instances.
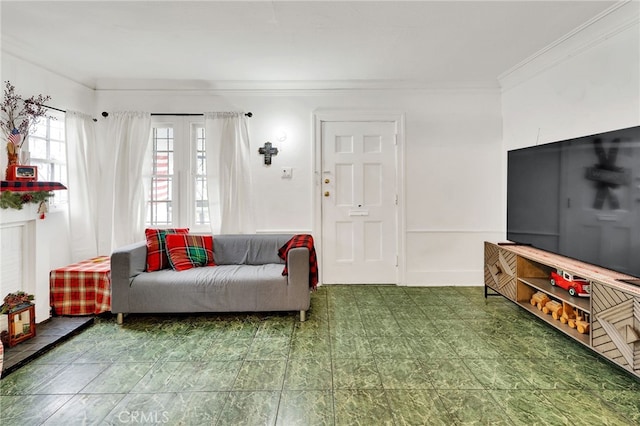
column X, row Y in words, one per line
column 621, row 17
column 271, row 88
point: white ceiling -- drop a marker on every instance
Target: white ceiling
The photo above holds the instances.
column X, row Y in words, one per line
column 112, row 44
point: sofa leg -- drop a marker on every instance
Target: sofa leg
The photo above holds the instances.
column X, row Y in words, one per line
column 120, row 318
column 303, row 316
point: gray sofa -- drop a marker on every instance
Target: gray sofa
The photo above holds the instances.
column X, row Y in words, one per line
column 248, row 278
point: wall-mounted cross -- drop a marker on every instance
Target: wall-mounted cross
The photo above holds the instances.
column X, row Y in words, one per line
column 268, row 151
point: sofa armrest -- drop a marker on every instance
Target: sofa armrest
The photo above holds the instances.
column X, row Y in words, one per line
column 298, row 268
column 126, row 263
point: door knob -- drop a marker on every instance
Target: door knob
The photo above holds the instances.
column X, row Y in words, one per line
column 327, row 181
column 326, row 193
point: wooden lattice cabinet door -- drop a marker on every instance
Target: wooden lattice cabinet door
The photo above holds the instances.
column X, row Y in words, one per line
column 500, row 270
column 616, row 325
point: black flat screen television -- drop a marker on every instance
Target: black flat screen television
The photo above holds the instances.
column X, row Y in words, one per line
column 579, row 198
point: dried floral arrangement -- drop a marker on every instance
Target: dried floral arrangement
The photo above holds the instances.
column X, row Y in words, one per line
column 20, row 115
column 14, row 300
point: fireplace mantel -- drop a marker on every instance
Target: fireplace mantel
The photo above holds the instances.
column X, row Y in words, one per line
column 29, row 212
column 26, row 253
column 30, row 186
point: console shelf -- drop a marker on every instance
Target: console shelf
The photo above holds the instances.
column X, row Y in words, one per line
column 543, row 284
column 608, row 321
column 571, row 332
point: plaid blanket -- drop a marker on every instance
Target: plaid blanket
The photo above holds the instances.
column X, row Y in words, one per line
column 304, row 241
column 83, row 288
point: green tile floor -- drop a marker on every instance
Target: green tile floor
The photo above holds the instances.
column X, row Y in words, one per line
column 367, row 355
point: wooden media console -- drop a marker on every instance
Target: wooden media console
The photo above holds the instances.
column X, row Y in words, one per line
column 608, row 321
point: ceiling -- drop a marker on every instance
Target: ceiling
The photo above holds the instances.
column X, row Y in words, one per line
column 143, row 44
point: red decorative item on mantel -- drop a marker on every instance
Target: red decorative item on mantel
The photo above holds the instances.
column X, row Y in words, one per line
column 22, row 173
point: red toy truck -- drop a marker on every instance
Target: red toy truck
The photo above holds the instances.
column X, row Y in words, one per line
column 576, row 286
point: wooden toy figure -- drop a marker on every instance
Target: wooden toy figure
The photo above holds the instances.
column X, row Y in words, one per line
column 539, row 299
column 554, row 308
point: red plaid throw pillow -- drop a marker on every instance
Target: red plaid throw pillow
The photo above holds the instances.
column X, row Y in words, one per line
column 156, row 248
column 189, row 251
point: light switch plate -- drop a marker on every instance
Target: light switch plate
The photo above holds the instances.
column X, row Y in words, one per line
column 287, row 172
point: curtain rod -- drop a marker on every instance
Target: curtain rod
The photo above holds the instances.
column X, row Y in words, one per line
column 179, row 114
column 61, row 110
column 54, row 108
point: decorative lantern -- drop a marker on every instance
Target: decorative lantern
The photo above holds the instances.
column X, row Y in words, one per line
column 22, row 324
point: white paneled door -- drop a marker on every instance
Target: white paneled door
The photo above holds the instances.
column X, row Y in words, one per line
column 359, row 202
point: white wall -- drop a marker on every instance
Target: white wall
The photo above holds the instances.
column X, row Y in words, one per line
column 31, row 80
column 66, row 95
column 455, row 140
column 588, row 84
column 452, row 163
column 452, row 160
column 49, row 238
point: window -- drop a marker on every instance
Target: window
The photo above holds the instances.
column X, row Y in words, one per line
column 48, row 151
column 201, row 197
column 178, row 186
column 160, row 199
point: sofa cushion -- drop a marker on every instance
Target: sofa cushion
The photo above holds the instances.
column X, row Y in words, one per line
column 223, row 288
column 248, row 249
column 188, row 251
column 156, row 247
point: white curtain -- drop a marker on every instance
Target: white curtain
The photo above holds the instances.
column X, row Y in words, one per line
column 126, row 156
column 228, row 173
column 83, row 173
